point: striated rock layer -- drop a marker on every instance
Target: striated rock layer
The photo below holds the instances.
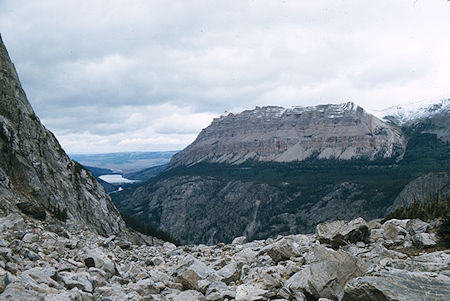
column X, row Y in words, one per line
column 35, row 170
column 277, row 134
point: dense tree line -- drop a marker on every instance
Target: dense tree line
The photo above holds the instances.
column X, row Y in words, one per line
column 139, row 226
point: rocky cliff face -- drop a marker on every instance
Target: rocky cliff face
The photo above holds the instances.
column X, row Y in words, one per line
column 425, row 189
column 36, row 171
column 206, row 209
column 342, row 132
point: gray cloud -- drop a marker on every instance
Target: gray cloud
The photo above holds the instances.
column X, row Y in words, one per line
column 148, row 75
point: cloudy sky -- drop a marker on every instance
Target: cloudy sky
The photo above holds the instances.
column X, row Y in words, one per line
column 144, row 75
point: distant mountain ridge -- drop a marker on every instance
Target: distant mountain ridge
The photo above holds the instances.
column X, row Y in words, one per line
column 402, row 114
column 272, row 171
column 344, row 131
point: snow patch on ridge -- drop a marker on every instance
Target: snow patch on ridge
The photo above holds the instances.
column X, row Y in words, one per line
column 402, row 114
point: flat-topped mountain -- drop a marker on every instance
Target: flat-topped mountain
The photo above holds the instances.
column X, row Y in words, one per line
column 272, row 170
column 344, row 131
column 35, row 172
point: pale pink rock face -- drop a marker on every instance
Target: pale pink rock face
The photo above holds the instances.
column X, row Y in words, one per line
column 343, row 131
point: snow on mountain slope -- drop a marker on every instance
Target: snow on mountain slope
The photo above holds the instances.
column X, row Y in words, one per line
column 401, row 114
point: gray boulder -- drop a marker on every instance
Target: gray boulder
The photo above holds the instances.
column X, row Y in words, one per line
column 97, row 258
column 338, row 233
column 248, row 292
column 218, row 291
column 398, row 285
column 424, row 240
column 144, row 287
column 73, row 294
column 230, row 272
column 192, row 276
column 12, row 222
column 169, row 246
column 282, row 250
column 189, row 295
column 17, row 291
column 394, row 229
column 41, row 275
column 80, row 280
column 416, row 225
column 327, row 274
column 239, row 240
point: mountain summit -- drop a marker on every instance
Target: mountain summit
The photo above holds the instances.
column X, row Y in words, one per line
column 344, row 131
column 408, row 113
column 272, row 170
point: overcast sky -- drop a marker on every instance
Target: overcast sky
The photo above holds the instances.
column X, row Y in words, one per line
column 108, row 75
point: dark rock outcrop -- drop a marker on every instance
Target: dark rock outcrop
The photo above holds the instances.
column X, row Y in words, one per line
column 33, row 210
column 35, row 169
column 339, row 233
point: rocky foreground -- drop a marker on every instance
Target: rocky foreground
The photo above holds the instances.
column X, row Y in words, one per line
column 397, row 260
